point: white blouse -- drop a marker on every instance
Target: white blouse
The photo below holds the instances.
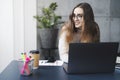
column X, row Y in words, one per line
column 63, row 47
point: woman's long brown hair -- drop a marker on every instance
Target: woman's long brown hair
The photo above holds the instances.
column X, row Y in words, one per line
column 91, row 31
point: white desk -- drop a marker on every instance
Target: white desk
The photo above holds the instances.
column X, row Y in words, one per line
column 45, row 63
column 118, row 60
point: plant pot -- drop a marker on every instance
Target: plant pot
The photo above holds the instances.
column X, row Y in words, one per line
column 48, row 38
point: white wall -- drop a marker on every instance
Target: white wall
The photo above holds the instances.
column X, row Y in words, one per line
column 6, row 33
column 18, row 16
column 24, row 26
column 30, row 25
column 17, row 29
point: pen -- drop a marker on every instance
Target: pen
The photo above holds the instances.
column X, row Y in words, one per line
column 25, row 67
column 25, row 55
column 22, row 56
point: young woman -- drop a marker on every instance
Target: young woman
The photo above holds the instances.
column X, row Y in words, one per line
column 81, row 28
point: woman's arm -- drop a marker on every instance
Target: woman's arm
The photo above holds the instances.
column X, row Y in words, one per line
column 63, row 47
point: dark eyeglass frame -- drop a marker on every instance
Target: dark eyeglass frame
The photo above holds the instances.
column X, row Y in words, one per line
column 78, row 16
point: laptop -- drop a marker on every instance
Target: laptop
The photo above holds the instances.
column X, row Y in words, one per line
column 87, row 58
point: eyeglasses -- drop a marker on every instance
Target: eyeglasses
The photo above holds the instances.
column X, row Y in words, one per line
column 78, row 16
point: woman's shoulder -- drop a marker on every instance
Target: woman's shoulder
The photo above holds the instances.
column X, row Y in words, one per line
column 66, row 25
column 64, row 28
column 64, row 31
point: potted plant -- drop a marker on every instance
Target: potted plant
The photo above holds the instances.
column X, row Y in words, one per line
column 47, row 25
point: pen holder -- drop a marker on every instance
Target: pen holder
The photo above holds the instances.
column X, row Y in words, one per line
column 25, row 68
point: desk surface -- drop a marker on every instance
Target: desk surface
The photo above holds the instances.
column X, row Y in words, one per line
column 52, row 73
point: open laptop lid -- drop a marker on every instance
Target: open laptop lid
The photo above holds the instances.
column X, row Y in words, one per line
column 92, row 57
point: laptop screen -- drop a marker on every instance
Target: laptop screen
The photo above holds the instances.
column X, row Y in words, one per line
column 92, row 57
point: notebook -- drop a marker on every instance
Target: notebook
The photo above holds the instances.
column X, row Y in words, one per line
column 91, row 58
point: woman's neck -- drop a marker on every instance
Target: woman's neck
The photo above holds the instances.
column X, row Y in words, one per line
column 77, row 29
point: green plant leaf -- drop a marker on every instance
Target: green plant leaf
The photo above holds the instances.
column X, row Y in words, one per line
column 48, row 19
